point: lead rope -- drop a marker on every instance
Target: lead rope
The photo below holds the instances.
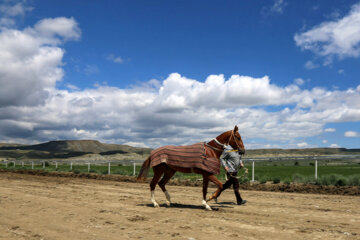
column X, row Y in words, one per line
column 244, row 175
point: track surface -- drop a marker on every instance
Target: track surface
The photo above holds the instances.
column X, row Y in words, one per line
column 39, row 207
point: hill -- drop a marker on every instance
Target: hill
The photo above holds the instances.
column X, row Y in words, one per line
column 88, row 149
column 95, row 150
column 300, row 152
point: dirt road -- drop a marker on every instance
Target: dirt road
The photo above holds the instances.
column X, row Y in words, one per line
column 38, row 207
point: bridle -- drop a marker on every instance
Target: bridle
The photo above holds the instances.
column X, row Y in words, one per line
column 223, row 145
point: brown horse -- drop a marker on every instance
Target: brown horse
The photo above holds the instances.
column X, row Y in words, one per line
column 159, row 160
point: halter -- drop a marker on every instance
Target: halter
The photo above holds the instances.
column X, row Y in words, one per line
column 223, row 145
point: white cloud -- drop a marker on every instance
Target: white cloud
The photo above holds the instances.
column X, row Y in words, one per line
column 351, row 134
column 31, row 61
column 339, row 38
column 324, row 141
column 334, row 145
column 299, row 81
column 311, row 65
column 9, row 13
column 115, row 59
column 341, row 71
column 91, row 69
column 177, row 110
column 302, row 145
column 329, row 130
column 277, row 8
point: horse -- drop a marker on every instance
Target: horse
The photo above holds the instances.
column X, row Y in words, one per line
column 164, row 164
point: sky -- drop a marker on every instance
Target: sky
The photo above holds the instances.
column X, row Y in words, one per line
column 153, row 73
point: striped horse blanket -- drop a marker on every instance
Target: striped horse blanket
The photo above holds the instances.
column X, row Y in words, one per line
column 192, row 156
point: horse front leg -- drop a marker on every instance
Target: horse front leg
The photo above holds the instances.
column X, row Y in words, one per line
column 217, row 182
column 205, row 186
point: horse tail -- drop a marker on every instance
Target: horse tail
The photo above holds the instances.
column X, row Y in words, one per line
column 144, row 170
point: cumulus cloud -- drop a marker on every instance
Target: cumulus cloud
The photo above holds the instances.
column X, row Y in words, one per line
column 351, row 134
column 179, row 110
column 176, row 110
column 31, row 60
column 339, row 38
column 9, row 12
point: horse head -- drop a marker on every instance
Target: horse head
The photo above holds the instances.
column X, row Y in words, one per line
column 235, row 140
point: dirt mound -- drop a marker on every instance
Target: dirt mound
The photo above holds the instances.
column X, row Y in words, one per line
column 292, row 188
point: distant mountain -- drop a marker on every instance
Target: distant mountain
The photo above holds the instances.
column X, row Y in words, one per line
column 95, row 150
column 69, row 149
column 300, row 152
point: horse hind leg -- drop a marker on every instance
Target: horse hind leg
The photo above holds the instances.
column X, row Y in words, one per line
column 167, row 176
column 158, row 171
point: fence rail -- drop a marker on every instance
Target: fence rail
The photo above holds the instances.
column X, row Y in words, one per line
column 133, row 163
column 302, row 158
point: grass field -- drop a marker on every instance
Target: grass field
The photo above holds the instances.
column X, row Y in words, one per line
column 349, row 174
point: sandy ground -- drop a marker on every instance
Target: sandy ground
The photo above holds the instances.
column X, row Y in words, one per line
column 39, row 207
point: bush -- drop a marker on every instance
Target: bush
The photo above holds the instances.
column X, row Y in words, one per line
column 354, row 180
column 276, row 180
column 264, row 179
column 296, row 163
column 297, row 178
column 287, row 181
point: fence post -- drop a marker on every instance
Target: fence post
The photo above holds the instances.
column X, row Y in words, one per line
column 22, row 164
column 71, row 166
column 316, row 165
column 43, row 164
column 109, row 168
column 88, row 167
column 134, row 169
column 56, row 166
column 32, row 165
column 14, row 164
column 6, row 165
column 253, row 171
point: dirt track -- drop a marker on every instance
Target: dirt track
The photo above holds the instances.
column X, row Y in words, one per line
column 42, row 207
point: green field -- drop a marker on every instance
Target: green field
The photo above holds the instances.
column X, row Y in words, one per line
column 347, row 174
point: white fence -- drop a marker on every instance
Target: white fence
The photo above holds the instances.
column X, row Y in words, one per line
column 133, row 163
column 302, row 158
column 45, row 163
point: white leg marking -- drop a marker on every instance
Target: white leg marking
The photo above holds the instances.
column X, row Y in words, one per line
column 207, row 207
column 167, row 195
column 153, row 199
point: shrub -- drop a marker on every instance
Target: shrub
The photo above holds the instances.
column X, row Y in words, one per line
column 297, row 178
column 263, row 179
column 287, row 181
column 296, row 163
column 276, row 180
column 354, row 180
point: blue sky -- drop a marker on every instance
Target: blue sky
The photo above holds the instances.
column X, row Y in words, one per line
column 150, row 73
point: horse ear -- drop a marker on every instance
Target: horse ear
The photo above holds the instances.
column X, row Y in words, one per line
column 236, row 128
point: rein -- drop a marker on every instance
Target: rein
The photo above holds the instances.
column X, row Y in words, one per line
column 244, row 175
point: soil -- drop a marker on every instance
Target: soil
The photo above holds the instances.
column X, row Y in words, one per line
column 39, row 205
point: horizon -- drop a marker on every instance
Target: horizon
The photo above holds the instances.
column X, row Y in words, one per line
column 63, row 140
column 148, row 74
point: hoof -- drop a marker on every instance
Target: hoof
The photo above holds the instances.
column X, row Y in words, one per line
column 168, row 203
column 207, row 207
column 156, row 205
